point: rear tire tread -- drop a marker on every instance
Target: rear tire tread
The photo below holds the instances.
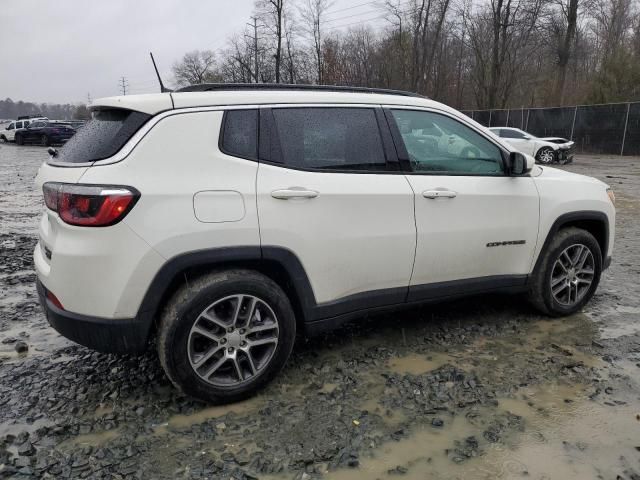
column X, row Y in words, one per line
column 172, row 318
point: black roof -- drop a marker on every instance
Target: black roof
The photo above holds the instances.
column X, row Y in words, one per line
column 210, row 87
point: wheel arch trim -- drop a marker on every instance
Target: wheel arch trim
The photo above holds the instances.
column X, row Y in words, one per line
column 573, row 218
column 256, row 258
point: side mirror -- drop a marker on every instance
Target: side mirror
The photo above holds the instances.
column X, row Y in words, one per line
column 520, row 163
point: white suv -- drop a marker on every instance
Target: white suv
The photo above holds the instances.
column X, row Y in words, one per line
column 8, row 134
column 287, row 209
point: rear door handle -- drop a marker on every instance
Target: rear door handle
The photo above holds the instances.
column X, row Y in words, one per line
column 439, row 194
column 294, row 192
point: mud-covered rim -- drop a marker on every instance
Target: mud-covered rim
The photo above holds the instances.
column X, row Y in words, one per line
column 233, row 340
column 572, row 274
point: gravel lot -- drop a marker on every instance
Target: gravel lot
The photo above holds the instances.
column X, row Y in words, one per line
column 480, row 389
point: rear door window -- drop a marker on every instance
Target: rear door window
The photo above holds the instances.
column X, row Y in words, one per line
column 330, row 138
column 102, row 136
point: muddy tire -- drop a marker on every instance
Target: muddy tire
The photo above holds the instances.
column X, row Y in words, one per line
column 3, row 139
column 19, row 140
column 44, row 140
column 225, row 335
column 546, row 155
column 568, row 274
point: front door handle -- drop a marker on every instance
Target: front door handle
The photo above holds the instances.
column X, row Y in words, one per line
column 439, row 194
column 294, row 192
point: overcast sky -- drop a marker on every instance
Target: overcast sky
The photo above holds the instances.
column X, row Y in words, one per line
column 59, row 51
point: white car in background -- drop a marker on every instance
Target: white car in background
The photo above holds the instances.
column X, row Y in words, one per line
column 545, row 150
column 8, row 134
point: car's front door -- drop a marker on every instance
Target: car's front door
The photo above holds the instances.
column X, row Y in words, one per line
column 10, row 132
column 477, row 226
column 330, row 191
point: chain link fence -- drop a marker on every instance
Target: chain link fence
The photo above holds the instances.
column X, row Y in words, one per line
column 611, row 128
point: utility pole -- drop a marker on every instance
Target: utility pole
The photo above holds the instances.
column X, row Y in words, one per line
column 123, row 85
column 255, row 47
column 88, row 98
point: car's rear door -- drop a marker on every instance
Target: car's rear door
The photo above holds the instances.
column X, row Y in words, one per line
column 330, row 191
column 477, row 227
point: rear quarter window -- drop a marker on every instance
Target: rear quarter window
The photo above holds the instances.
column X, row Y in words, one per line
column 102, row 136
column 240, row 133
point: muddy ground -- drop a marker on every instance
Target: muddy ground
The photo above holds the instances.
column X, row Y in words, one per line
column 477, row 389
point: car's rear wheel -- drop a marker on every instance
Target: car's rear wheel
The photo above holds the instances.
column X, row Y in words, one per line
column 44, row 140
column 546, row 155
column 225, row 335
column 568, row 273
column 19, row 140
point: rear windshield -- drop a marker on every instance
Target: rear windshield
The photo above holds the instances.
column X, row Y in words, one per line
column 102, row 136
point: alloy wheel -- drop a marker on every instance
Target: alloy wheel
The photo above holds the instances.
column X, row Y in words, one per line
column 233, row 340
column 546, row 156
column 572, row 274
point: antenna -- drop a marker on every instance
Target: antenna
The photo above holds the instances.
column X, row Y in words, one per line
column 163, row 89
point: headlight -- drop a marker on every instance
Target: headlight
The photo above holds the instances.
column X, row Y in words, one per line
column 612, row 196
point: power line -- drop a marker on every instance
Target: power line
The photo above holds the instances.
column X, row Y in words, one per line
column 123, row 84
column 367, row 20
column 352, row 7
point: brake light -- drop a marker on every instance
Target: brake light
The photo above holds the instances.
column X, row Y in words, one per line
column 89, row 205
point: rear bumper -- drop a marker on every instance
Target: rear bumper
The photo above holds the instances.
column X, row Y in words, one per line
column 102, row 334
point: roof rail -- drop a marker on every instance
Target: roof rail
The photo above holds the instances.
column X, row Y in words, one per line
column 210, row 87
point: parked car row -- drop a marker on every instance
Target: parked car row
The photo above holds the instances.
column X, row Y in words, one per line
column 39, row 130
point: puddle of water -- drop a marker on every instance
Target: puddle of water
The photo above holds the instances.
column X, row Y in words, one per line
column 102, row 410
column 186, row 421
column 416, row 364
column 15, row 428
column 91, row 439
column 328, row 388
column 575, row 439
column 389, row 416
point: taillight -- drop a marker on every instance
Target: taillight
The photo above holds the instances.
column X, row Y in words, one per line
column 53, row 299
column 89, row 205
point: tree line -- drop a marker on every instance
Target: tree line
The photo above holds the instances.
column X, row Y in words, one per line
column 480, row 55
column 11, row 110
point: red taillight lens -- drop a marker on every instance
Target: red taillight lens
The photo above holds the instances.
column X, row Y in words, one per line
column 90, row 205
column 53, row 299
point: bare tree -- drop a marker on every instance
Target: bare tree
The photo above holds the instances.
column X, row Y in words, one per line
column 196, row 67
column 272, row 14
column 493, row 54
column 502, row 40
column 312, row 14
column 562, row 27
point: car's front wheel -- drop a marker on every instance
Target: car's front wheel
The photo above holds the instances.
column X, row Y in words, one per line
column 568, row 273
column 225, row 335
column 19, row 140
column 3, row 139
column 44, row 140
column 546, row 155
